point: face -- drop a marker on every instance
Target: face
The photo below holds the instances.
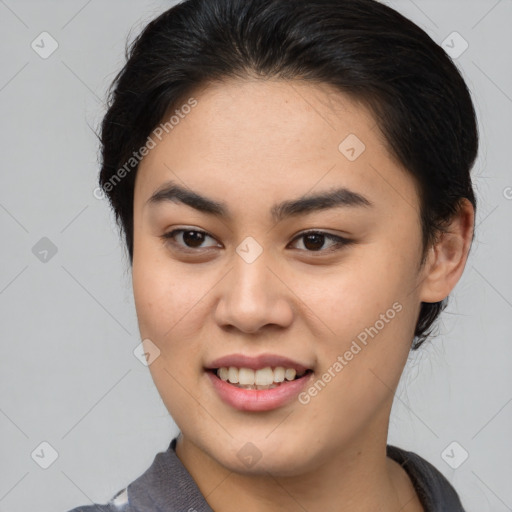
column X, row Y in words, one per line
column 235, row 280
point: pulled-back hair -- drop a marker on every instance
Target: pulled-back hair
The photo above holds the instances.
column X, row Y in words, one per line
column 363, row 48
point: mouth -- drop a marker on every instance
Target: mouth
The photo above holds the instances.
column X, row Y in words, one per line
column 261, row 383
column 264, row 378
column 257, row 383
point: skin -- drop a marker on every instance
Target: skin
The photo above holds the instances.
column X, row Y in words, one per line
column 250, row 144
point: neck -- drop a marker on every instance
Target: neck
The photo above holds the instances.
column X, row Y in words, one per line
column 358, row 477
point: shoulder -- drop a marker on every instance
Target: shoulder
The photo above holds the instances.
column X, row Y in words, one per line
column 94, row 508
column 433, row 488
column 165, row 485
column 119, row 503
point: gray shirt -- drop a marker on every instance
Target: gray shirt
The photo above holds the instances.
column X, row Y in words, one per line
column 167, row 486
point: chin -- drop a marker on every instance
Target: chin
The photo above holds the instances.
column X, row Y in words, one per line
column 261, row 457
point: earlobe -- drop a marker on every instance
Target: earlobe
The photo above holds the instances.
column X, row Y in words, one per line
column 448, row 255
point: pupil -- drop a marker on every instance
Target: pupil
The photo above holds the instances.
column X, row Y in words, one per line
column 196, row 239
column 315, row 237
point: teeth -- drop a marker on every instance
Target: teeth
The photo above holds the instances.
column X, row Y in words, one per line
column 289, row 374
column 264, row 377
column 223, row 373
column 279, row 374
column 233, row 375
column 246, row 376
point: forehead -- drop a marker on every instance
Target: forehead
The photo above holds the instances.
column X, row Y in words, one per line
column 279, row 118
column 270, row 136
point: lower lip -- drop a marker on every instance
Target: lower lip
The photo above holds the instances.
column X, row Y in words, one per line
column 258, row 399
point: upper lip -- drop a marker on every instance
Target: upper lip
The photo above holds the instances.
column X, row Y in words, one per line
column 256, row 362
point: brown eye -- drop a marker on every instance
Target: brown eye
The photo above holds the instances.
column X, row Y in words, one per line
column 314, row 241
column 193, row 238
column 190, row 238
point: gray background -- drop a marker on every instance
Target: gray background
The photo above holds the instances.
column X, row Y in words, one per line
column 68, row 326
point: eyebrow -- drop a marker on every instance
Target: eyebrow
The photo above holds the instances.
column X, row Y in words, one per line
column 335, row 198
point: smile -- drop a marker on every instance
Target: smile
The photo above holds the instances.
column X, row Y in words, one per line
column 257, row 383
column 264, row 378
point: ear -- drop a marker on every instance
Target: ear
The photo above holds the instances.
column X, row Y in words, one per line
column 448, row 255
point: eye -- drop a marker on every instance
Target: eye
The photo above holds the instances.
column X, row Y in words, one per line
column 192, row 238
column 314, row 241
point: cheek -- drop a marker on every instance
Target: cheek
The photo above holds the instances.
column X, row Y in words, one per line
column 162, row 296
column 166, row 307
column 155, row 298
column 371, row 311
column 367, row 285
column 167, row 304
column 171, row 305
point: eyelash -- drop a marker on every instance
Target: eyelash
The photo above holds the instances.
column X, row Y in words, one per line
column 339, row 242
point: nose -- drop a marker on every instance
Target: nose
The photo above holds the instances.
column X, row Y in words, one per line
column 254, row 295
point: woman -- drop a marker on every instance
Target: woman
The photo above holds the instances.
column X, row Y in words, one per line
column 291, row 178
